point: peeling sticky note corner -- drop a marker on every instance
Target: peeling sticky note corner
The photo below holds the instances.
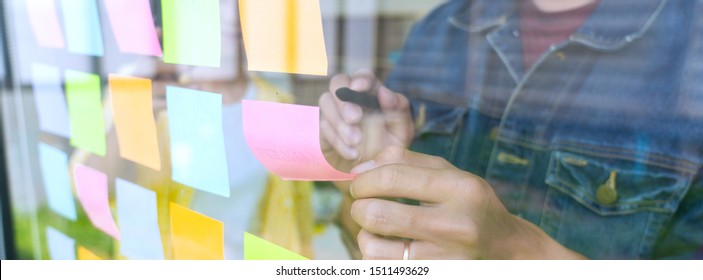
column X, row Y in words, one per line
column 134, row 120
column 286, row 139
column 195, row 236
column 284, row 36
column 91, row 186
column 256, row 248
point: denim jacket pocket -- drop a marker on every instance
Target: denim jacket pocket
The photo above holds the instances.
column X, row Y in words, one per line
column 616, row 187
column 437, row 127
column 608, row 207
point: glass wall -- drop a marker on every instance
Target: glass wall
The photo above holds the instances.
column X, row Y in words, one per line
column 210, row 129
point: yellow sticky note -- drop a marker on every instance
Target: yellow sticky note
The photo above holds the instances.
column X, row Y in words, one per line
column 283, row 36
column 195, row 236
column 134, row 120
column 86, row 255
column 256, row 248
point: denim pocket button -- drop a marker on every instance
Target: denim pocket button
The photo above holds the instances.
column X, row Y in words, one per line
column 607, row 193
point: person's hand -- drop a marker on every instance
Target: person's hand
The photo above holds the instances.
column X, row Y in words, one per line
column 349, row 134
column 459, row 216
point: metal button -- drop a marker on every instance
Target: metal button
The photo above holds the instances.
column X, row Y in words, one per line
column 607, row 192
column 560, row 55
column 421, row 116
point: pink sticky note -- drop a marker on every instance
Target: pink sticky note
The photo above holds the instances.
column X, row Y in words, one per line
column 91, row 186
column 133, row 26
column 286, row 139
column 44, row 20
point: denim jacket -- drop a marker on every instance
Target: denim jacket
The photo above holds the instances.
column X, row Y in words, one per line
column 599, row 143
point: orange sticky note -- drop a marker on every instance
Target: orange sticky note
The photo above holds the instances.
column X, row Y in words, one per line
column 283, row 36
column 134, row 120
column 195, row 236
column 86, row 255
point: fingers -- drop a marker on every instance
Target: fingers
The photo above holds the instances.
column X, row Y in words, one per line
column 390, row 218
column 418, row 183
column 335, row 141
column 349, row 132
column 375, row 247
column 364, row 81
column 400, row 155
column 350, row 113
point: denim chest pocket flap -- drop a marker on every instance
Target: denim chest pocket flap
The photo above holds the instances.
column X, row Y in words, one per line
column 611, row 186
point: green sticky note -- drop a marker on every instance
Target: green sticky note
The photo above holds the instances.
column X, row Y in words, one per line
column 256, row 248
column 85, row 111
column 191, row 32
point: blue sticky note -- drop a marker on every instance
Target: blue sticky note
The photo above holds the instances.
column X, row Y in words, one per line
column 138, row 220
column 55, row 175
column 61, row 247
column 49, row 100
column 198, row 157
column 83, row 33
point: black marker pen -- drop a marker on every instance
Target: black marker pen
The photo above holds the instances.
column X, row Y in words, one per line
column 362, row 99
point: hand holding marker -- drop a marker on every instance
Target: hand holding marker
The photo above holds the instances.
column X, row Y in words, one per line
column 372, row 123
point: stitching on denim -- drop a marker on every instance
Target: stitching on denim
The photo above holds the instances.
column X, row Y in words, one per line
column 582, row 147
column 679, row 185
column 606, row 212
column 645, row 236
column 689, row 169
column 553, row 179
column 604, row 148
column 615, row 45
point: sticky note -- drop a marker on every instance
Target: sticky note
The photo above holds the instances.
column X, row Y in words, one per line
column 140, row 238
column 192, row 32
column 87, row 255
column 256, row 248
column 49, row 100
column 283, row 36
column 197, row 142
column 134, row 120
column 61, row 247
column 83, row 33
column 286, row 139
column 133, row 25
column 195, row 236
column 91, row 186
column 44, row 21
column 85, row 111
column 57, row 185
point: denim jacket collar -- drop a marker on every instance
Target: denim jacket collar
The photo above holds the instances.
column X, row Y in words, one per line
column 605, row 30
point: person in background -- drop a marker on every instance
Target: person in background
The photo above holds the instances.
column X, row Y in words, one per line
column 537, row 129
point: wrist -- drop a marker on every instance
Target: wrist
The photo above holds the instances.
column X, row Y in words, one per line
column 348, row 228
column 528, row 241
